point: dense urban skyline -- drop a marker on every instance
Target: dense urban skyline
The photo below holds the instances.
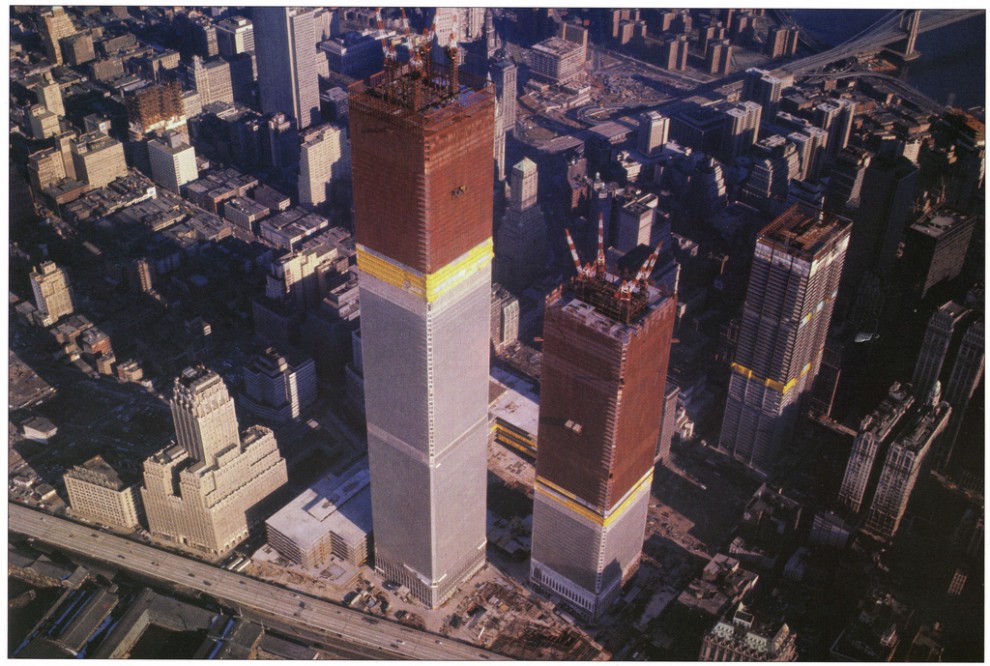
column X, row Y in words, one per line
column 479, row 333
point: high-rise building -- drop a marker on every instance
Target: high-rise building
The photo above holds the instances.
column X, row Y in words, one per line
column 742, row 127
column 235, row 35
column 745, row 635
column 782, row 42
column 668, row 422
column 635, row 223
column 786, row 315
column 653, row 131
column 52, row 294
column 935, row 248
column 942, row 328
column 885, row 206
column 44, row 123
column 872, row 439
column 556, row 60
column 45, row 168
column 763, row 88
column 811, row 143
column 78, row 49
column 49, row 93
column 521, row 245
column 718, row 58
column 845, row 183
column 903, row 463
column 421, row 153
column 212, row 80
column 101, row 493
column 674, row 53
column 55, row 25
column 173, row 161
column 285, row 46
column 324, row 156
column 279, row 388
column 504, row 76
column 205, row 491
column 605, row 353
column 967, row 372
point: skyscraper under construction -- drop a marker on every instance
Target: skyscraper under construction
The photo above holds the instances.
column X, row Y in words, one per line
column 786, row 315
column 421, row 150
column 605, row 352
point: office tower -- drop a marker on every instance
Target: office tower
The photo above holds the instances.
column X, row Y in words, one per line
column 78, row 49
column 653, row 131
column 745, row 634
column 903, row 462
column 935, row 248
column 967, row 372
column 324, row 157
column 498, row 144
column 504, row 75
column 204, row 37
column 173, row 161
column 235, row 35
column 447, row 22
column 718, row 57
column 421, row 153
column 505, row 318
column 278, row 388
column 52, row 294
column 872, row 439
column 810, row 143
column 204, row 491
column 281, row 144
column 100, row 493
column 285, row 48
column 44, row 123
column 556, row 60
column 845, row 183
column 605, row 353
column 885, row 206
column 49, row 93
column 55, row 25
column 668, row 422
column 212, row 80
column 786, row 315
column 761, row 87
column 942, row 328
column 98, row 159
column 45, row 168
column 635, row 224
column 521, row 244
column 742, row 125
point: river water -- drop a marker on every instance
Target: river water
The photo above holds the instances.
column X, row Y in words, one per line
column 953, row 58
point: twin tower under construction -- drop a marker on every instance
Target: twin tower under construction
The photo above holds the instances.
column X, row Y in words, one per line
column 422, row 138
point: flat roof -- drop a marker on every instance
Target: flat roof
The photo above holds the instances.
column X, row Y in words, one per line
column 519, row 404
column 339, row 504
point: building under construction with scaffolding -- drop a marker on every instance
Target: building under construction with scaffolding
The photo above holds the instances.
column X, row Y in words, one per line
column 605, row 353
column 422, row 137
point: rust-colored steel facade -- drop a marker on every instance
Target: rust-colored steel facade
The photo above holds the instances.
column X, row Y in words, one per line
column 600, row 400
column 422, row 176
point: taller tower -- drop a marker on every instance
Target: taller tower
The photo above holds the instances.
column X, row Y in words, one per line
column 605, row 352
column 786, row 315
column 421, row 150
column 52, row 294
column 285, row 40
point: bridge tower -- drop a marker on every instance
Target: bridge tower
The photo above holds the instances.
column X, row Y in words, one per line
column 904, row 50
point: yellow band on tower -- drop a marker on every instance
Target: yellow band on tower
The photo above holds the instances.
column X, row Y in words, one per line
column 570, row 501
column 430, row 286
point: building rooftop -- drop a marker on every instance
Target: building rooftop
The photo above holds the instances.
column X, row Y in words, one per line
column 939, row 222
column 557, row 46
column 518, row 404
column 802, row 235
column 336, row 503
column 97, row 471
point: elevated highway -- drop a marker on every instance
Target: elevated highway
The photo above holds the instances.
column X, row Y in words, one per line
column 310, row 615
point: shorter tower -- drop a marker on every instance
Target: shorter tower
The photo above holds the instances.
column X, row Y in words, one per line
column 902, row 466
column 324, row 156
column 205, row 491
column 653, row 131
column 520, row 248
column 606, row 347
column 99, row 492
column 52, row 295
column 173, row 161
